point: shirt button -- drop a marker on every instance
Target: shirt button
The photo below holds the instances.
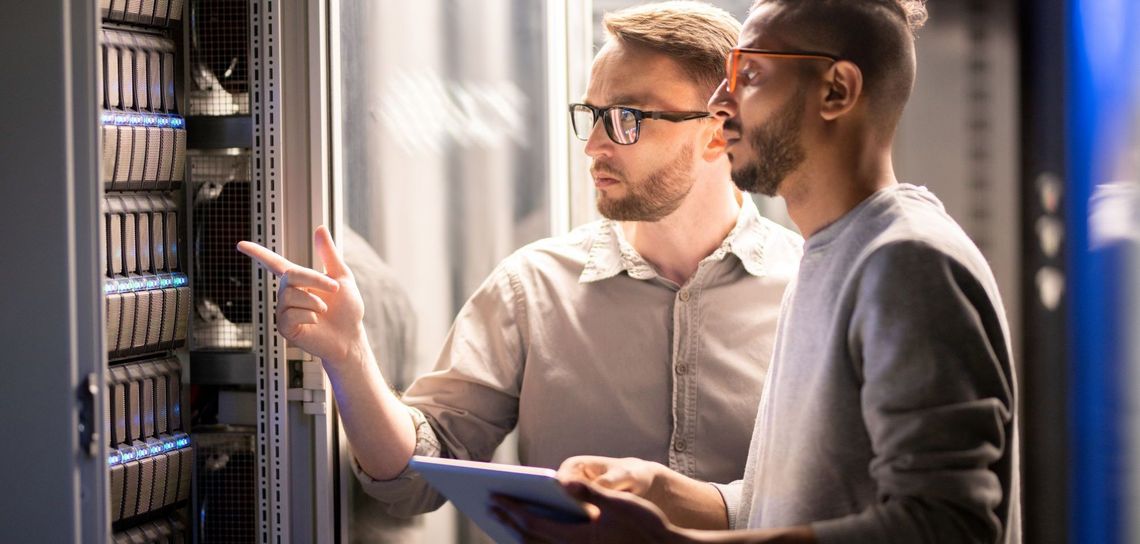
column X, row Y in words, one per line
column 680, row 445
column 682, row 369
column 684, row 295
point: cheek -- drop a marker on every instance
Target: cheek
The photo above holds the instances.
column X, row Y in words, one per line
column 632, row 161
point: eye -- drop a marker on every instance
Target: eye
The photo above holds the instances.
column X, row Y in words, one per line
column 748, row 73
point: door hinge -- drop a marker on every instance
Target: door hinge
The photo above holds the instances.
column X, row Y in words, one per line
column 89, row 435
column 306, row 381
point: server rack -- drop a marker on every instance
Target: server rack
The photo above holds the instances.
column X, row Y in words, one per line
column 148, row 299
column 114, row 293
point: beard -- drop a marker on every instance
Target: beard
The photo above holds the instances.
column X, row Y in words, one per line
column 655, row 196
column 776, row 147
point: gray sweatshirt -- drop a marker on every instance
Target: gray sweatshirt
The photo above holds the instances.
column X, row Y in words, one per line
column 889, row 410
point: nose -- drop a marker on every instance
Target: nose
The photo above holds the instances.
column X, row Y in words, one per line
column 599, row 143
column 722, row 104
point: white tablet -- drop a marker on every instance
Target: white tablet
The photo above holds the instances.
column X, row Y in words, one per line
column 469, row 485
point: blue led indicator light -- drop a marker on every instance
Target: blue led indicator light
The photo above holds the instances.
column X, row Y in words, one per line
column 136, row 119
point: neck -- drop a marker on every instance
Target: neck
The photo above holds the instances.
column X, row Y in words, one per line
column 676, row 244
column 827, row 189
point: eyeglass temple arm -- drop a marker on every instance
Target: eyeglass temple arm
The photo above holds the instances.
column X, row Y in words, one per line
column 676, row 115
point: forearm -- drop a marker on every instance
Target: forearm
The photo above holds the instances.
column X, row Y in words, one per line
column 790, row 535
column 377, row 424
column 687, row 502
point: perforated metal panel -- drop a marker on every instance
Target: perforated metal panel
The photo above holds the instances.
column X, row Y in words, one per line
column 226, row 506
column 220, row 194
column 265, row 17
column 219, row 57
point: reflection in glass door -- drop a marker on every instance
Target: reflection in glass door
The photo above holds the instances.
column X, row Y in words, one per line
column 445, row 170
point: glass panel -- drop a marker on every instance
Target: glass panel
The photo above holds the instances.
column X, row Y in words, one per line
column 445, row 173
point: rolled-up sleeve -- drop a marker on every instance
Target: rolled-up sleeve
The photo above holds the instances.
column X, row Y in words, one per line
column 937, row 400
column 407, row 494
column 466, row 406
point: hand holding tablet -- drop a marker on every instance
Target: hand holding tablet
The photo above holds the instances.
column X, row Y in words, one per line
column 470, row 484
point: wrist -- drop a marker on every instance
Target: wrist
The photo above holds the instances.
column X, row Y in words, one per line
column 659, row 487
column 355, row 353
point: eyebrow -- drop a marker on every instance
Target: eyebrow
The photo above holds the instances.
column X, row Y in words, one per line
column 632, row 100
column 623, row 100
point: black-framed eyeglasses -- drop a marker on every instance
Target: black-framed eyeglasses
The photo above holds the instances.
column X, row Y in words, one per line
column 732, row 63
column 623, row 125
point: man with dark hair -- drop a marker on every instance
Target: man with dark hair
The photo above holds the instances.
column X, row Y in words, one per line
column 889, row 413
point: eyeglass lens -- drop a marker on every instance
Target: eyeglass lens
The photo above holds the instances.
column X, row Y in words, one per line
column 621, row 123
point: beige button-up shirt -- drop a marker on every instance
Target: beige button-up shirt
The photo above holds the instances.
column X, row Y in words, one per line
column 579, row 343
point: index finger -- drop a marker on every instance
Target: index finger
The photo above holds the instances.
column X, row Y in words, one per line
column 273, row 262
column 296, row 275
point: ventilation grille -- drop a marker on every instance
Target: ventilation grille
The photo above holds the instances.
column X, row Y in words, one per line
column 222, row 276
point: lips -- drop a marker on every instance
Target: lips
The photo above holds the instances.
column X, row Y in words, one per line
column 602, row 181
column 603, row 178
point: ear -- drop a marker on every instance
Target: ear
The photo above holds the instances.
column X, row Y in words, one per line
column 842, row 87
column 715, row 142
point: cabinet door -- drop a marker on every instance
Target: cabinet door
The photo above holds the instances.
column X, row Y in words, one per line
column 51, row 397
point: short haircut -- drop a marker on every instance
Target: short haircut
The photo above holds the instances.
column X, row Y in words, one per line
column 696, row 35
column 877, row 35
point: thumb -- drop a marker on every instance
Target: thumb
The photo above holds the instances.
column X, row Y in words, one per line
column 326, row 250
column 610, row 480
column 582, row 491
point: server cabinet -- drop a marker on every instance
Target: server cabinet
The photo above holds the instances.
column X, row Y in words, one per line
column 133, row 332
column 150, row 394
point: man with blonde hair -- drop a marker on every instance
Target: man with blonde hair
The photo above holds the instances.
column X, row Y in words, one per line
column 624, row 337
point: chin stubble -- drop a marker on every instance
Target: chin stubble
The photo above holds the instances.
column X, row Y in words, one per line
column 777, row 150
column 654, row 197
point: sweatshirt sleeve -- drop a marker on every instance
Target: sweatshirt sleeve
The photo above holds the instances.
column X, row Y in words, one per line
column 731, row 494
column 937, row 399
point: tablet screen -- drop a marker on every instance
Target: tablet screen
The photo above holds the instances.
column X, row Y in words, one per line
column 470, row 484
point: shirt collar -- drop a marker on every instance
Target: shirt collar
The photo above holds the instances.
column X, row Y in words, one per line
column 611, row 254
